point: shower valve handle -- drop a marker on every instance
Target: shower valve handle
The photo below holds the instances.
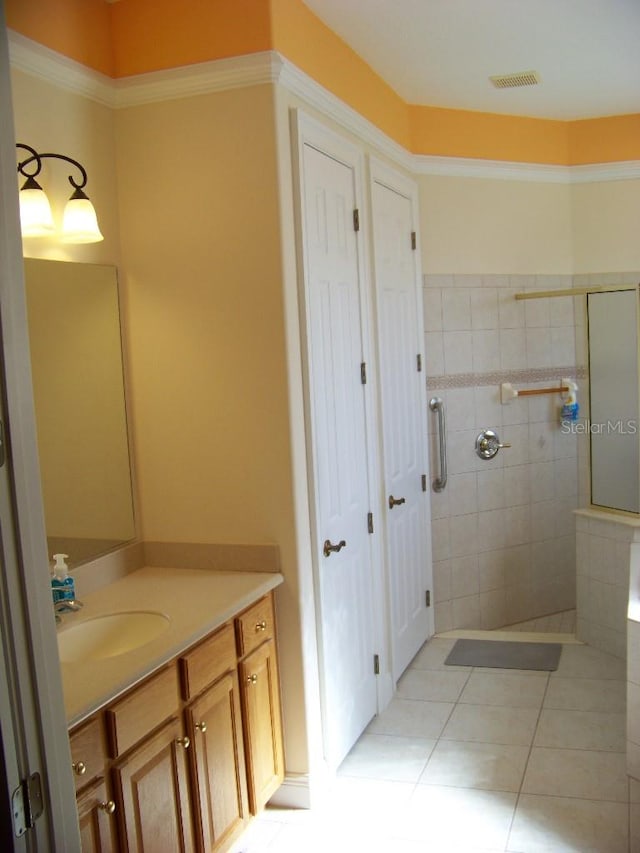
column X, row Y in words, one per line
column 488, row 444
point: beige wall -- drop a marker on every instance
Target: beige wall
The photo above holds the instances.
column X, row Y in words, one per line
column 480, row 226
column 202, row 281
column 50, row 119
column 605, row 220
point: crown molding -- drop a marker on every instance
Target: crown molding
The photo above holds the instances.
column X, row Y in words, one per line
column 469, row 167
column 202, row 78
column 52, row 67
column 315, row 95
column 270, row 67
column 594, row 173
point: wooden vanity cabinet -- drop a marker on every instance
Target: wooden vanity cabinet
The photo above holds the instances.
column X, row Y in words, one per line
column 258, row 670
column 97, row 819
column 214, row 724
column 190, row 752
column 96, row 808
column 152, row 791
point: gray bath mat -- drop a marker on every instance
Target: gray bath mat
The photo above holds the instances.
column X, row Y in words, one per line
column 505, row 655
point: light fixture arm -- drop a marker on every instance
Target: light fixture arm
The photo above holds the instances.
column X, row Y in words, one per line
column 38, row 158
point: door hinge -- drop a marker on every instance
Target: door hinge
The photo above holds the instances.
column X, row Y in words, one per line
column 424, row 482
column 427, row 597
column 414, row 242
column 376, row 664
column 27, row 804
column 370, row 522
column 356, row 219
column 363, row 373
column 419, row 363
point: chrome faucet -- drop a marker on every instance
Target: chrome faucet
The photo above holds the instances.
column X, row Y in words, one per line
column 64, row 605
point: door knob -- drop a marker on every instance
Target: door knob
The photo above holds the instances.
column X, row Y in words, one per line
column 252, row 679
column 395, row 501
column 328, row 548
column 80, row 768
column 201, row 727
column 183, row 742
column 109, row 807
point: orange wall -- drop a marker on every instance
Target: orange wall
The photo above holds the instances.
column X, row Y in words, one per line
column 79, row 29
column 460, row 133
column 302, row 37
column 604, row 140
column 149, row 35
column 136, row 36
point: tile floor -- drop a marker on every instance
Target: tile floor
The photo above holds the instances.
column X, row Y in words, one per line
column 468, row 760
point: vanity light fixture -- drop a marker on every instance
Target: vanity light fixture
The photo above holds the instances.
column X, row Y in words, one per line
column 79, row 221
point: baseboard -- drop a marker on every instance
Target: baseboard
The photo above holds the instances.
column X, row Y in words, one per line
column 294, row 793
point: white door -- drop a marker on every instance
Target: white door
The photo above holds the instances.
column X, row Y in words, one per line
column 403, row 396
column 339, row 448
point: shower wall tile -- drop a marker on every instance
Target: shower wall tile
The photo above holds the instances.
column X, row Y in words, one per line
column 458, row 352
column 603, row 555
column 456, row 309
column 503, row 537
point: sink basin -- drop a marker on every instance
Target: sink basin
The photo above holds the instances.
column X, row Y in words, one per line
column 110, row 635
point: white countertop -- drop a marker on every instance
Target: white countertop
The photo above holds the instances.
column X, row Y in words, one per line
column 197, row 601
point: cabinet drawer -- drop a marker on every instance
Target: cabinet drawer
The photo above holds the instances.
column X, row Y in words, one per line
column 142, row 710
column 88, row 752
column 255, row 625
column 208, row 661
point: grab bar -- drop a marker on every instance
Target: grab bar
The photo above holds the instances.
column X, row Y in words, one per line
column 437, row 405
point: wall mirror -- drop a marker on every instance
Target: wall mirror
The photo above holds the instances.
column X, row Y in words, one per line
column 78, row 385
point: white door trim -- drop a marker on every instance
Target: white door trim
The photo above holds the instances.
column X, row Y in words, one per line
column 388, row 176
column 32, row 710
column 309, row 131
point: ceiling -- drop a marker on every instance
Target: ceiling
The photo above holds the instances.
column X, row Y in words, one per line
column 441, row 52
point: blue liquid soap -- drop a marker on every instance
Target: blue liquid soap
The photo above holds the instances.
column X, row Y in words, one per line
column 63, row 586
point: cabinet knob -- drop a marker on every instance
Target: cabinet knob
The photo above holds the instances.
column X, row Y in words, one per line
column 252, row 679
column 109, row 807
column 183, row 742
column 202, row 727
column 80, row 768
column 261, row 626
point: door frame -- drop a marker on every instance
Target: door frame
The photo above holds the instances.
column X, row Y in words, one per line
column 307, row 130
column 396, row 181
column 33, row 727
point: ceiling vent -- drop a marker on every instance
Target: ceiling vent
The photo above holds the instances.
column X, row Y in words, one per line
column 512, row 81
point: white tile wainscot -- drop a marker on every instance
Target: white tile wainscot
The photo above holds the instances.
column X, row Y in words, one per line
column 633, row 677
column 604, row 547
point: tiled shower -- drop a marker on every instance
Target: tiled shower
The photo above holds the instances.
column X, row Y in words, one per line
column 503, row 529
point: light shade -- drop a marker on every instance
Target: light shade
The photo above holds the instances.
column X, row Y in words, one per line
column 79, row 221
column 36, row 219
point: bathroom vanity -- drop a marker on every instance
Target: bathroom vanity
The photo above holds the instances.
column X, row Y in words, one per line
column 177, row 753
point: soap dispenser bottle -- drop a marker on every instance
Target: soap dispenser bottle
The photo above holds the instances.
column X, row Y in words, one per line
column 62, row 584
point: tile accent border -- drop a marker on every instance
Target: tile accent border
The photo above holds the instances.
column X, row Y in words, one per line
column 519, row 377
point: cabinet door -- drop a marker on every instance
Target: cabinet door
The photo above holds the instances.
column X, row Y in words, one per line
column 97, row 820
column 151, row 786
column 214, row 723
column 263, row 726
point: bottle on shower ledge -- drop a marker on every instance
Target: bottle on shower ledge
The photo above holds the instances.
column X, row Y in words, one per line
column 62, row 584
column 570, row 406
